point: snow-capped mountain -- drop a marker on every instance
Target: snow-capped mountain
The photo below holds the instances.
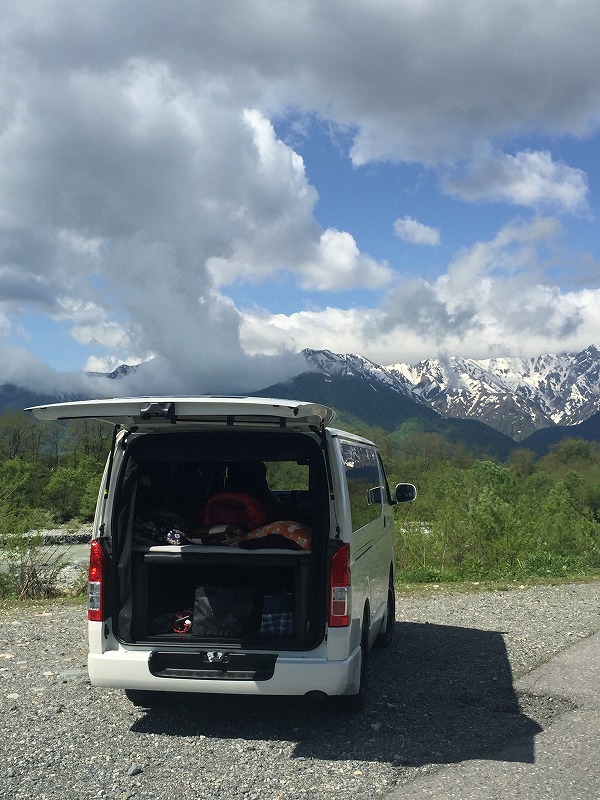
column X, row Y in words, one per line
column 513, row 395
column 122, row 371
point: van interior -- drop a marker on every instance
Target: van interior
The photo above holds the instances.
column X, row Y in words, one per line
column 221, row 537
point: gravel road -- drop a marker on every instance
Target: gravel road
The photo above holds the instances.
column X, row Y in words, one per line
column 442, row 693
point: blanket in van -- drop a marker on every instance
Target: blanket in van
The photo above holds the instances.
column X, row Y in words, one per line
column 229, row 518
column 284, row 534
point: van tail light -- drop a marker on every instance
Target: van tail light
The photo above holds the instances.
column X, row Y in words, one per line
column 96, row 583
column 339, row 586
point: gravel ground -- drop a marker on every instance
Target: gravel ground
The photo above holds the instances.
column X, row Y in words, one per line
column 442, row 693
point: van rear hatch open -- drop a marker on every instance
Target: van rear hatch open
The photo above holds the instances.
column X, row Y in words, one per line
column 143, row 412
column 174, row 456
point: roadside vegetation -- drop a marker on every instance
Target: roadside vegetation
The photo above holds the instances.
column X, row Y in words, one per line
column 474, row 519
column 49, row 477
column 480, row 520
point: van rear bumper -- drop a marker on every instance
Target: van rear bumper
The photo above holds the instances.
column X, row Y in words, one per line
column 127, row 669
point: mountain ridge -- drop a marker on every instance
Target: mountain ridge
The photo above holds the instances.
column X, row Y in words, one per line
column 516, row 396
column 353, row 399
column 522, row 401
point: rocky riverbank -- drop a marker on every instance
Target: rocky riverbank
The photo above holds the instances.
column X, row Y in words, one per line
column 66, row 535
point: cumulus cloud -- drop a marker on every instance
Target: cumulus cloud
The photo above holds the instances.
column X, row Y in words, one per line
column 141, row 177
column 529, row 178
column 414, row 232
column 519, row 67
column 167, row 193
column 493, row 299
column 496, row 293
column 282, row 235
column 391, row 70
column 336, row 329
column 338, row 264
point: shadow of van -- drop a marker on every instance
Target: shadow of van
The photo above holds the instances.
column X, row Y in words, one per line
column 440, row 694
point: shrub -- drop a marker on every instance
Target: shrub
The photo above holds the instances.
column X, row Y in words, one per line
column 486, row 522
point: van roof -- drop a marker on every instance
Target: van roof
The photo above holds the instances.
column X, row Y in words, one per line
column 144, row 411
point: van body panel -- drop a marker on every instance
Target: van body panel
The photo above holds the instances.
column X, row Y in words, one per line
column 98, row 641
column 368, row 527
column 342, row 643
column 173, row 455
column 292, row 676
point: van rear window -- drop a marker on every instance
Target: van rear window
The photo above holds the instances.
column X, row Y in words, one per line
column 183, row 475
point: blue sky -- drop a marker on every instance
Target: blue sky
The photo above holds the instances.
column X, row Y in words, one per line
column 209, row 192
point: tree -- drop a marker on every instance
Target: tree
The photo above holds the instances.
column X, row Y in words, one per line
column 88, row 439
column 21, row 436
column 14, row 480
column 570, row 451
column 68, row 490
column 522, row 461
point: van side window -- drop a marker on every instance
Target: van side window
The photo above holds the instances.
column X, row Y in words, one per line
column 362, row 475
column 384, row 481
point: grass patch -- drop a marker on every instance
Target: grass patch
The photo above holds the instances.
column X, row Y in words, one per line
column 8, row 603
column 490, row 585
column 524, row 567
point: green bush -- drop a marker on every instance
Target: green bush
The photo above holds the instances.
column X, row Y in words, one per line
column 487, row 522
column 72, row 491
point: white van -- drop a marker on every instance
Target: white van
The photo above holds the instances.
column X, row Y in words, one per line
column 240, row 545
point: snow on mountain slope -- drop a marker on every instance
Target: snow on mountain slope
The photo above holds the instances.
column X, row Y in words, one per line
column 513, row 395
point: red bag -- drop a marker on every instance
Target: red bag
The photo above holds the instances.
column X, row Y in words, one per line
column 235, row 508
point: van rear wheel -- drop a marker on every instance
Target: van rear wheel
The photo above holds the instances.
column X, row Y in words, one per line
column 143, row 698
column 386, row 634
column 353, row 703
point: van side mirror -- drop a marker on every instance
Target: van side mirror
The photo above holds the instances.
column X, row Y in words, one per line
column 405, row 493
column 374, row 496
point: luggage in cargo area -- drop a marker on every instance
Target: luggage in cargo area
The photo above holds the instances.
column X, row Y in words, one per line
column 187, row 594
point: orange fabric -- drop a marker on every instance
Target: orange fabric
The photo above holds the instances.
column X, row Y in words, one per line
column 294, row 531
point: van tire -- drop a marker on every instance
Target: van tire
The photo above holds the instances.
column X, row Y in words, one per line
column 353, row 703
column 143, row 698
column 386, row 634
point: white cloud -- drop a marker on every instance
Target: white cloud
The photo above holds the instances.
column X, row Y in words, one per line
column 103, row 364
column 494, row 293
column 18, row 366
column 330, row 328
column 513, row 254
column 414, row 232
column 109, row 334
column 530, row 178
column 447, row 78
column 149, row 182
column 493, row 299
column 418, row 81
column 136, row 144
column 338, row 264
column 280, row 232
column 420, row 323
